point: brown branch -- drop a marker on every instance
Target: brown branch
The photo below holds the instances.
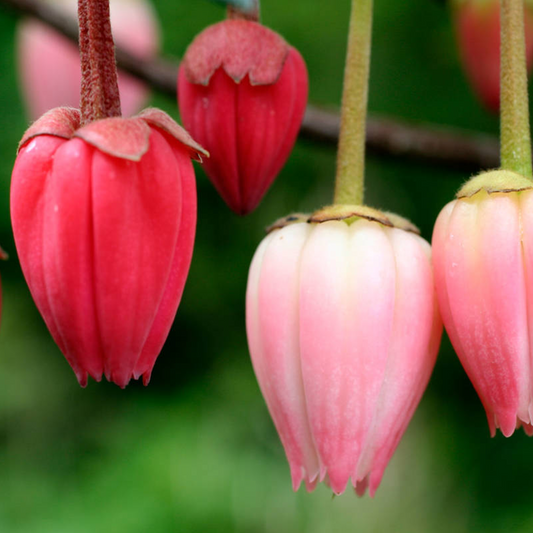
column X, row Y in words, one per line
column 426, row 143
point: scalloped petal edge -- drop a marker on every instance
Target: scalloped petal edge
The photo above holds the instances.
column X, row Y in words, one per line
column 59, row 122
column 125, row 138
column 495, row 181
column 350, row 213
column 162, row 120
column 241, row 48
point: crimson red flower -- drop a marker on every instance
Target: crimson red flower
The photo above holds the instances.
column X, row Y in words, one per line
column 104, row 219
column 242, row 94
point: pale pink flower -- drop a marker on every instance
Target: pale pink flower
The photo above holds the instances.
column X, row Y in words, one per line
column 343, row 331
column 483, row 258
column 49, row 64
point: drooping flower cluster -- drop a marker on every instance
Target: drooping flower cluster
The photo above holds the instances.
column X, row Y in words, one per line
column 341, row 309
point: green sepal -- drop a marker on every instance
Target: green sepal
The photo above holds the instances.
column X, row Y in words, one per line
column 495, row 181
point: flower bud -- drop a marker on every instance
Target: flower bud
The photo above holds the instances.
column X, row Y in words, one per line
column 242, row 94
column 104, row 219
column 49, row 64
column 483, row 261
column 477, row 24
column 343, row 331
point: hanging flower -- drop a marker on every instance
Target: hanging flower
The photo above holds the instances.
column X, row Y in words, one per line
column 483, row 260
column 242, row 94
column 343, row 331
column 104, row 219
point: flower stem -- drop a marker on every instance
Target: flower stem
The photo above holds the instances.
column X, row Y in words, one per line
column 349, row 182
column 251, row 12
column 99, row 86
column 514, row 109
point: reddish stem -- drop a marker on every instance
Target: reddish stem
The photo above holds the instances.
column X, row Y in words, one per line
column 84, row 48
column 99, row 87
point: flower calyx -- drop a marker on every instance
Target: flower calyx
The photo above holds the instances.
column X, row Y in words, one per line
column 125, row 138
column 240, row 48
column 347, row 214
column 351, row 213
column 495, row 181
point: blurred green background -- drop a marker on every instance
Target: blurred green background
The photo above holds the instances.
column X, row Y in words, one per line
column 196, row 450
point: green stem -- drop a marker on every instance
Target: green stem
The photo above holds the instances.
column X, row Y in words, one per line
column 349, row 182
column 514, row 109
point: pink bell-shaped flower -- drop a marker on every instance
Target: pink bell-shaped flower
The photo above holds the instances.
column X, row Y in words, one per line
column 343, row 330
column 49, row 64
column 477, row 24
column 483, row 261
column 242, row 94
column 104, row 219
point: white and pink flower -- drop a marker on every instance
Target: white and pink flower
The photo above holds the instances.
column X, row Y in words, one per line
column 343, row 330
